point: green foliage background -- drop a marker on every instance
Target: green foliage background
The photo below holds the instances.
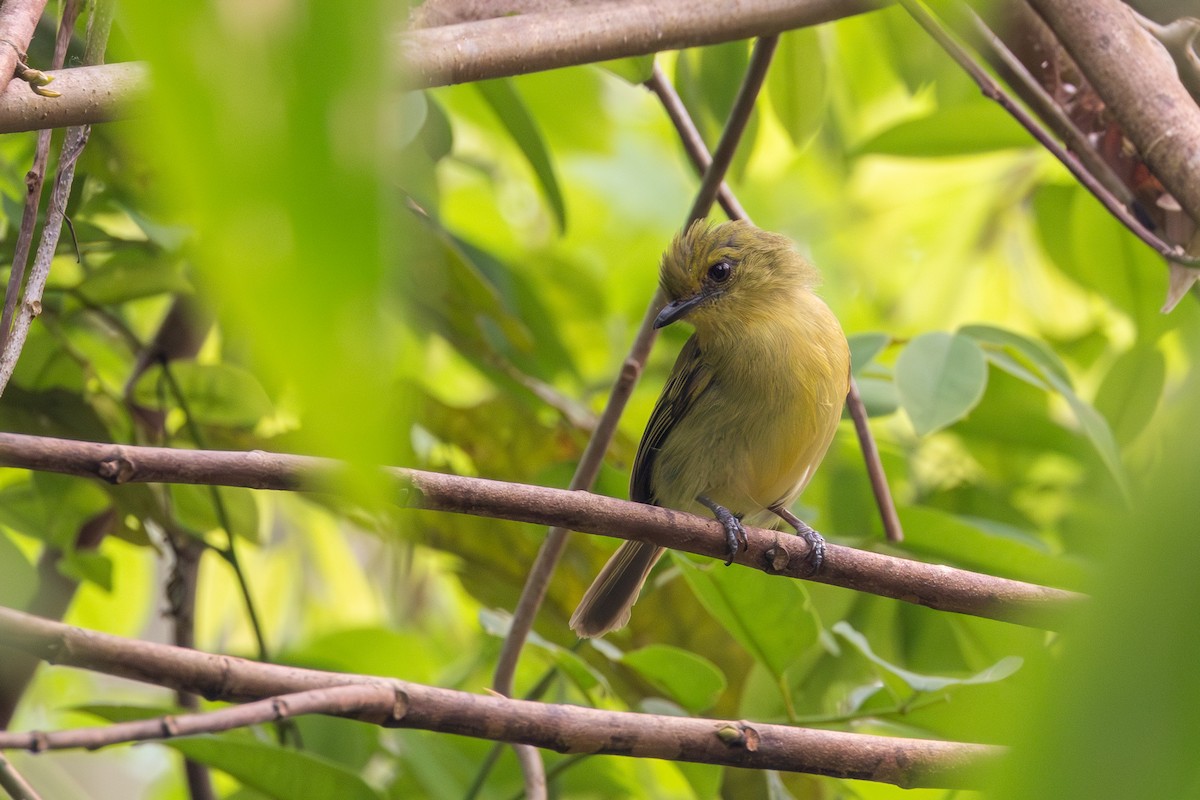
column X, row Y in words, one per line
column 1021, row 382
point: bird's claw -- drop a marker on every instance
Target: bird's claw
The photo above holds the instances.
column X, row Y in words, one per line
column 816, row 547
column 735, row 533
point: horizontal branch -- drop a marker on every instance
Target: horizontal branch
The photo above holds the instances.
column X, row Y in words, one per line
column 585, row 33
column 574, row 34
column 935, row 586
column 562, row 728
column 88, row 95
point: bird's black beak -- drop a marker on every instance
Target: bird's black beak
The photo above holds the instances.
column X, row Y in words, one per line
column 677, row 309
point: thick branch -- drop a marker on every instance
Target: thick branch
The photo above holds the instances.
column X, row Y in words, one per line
column 565, row 729
column 492, row 48
column 931, row 585
column 1137, row 81
column 590, row 32
column 89, row 95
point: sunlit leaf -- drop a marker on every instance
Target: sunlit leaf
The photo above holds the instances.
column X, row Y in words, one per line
column 940, row 377
column 960, row 130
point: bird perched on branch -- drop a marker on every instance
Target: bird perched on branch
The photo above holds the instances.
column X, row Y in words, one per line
column 749, row 408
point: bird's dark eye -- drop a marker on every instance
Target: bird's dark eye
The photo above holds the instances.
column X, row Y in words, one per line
column 720, row 272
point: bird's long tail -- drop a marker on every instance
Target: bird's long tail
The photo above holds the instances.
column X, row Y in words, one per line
column 606, row 604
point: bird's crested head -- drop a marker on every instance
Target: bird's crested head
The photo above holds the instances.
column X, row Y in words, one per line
column 729, row 268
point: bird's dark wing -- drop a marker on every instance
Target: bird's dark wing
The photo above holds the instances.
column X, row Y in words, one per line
column 689, row 378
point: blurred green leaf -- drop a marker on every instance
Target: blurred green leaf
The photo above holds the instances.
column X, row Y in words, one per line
column 1130, row 391
column 926, row 683
column 502, row 96
column 797, row 84
column 87, row 565
column 216, row 394
column 1036, row 353
column 940, row 377
column 864, row 347
column 771, row 619
column 694, row 681
column 437, row 136
column 275, row 771
column 986, row 546
column 18, row 578
column 981, row 127
column 707, row 79
column 133, row 273
column 879, row 396
column 196, row 509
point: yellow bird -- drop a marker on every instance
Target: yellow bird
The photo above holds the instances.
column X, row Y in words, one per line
column 749, row 408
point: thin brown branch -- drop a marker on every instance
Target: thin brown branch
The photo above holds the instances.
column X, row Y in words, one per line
column 580, row 34
column 892, row 529
column 34, row 179
column 89, row 95
column 935, row 586
column 563, row 728
column 18, row 21
column 689, row 135
column 99, row 25
column 993, row 91
column 31, row 300
column 1137, row 81
column 361, row 701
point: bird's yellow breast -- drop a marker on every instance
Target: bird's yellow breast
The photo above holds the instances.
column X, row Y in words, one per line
column 755, row 437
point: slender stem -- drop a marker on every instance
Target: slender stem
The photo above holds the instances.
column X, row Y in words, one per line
column 12, row 338
column 879, row 485
column 229, row 552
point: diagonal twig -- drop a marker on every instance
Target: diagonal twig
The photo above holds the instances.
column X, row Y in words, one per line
column 993, row 91
column 99, row 25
